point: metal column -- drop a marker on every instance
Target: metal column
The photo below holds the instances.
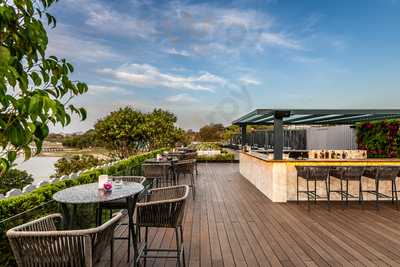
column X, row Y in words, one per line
column 278, row 137
column 244, row 135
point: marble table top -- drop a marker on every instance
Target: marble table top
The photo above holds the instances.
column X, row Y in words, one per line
column 89, row 193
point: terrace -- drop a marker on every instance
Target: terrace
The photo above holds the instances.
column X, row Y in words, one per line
column 231, row 223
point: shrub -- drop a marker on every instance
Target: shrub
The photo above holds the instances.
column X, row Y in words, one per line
column 379, row 138
column 67, row 165
column 206, row 146
column 14, row 179
column 217, row 158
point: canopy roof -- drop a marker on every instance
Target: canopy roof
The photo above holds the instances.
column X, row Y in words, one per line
column 316, row 116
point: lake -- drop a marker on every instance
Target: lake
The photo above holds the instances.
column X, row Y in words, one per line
column 39, row 167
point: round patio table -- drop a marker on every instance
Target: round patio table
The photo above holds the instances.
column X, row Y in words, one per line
column 90, row 194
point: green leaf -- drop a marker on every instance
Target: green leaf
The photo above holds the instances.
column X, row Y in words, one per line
column 11, row 155
column 36, row 79
column 83, row 113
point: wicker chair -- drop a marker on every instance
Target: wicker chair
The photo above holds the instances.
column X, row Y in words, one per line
column 158, row 173
column 121, row 203
column 38, row 243
column 184, row 167
column 163, row 208
column 192, row 155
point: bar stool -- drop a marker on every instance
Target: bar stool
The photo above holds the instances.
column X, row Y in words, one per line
column 387, row 173
column 313, row 174
column 346, row 174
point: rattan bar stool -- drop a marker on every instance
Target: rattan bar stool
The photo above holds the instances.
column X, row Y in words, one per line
column 346, row 174
column 39, row 243
column 163, row 208
column 379, row 174
column 313, row 174
column 121, row 204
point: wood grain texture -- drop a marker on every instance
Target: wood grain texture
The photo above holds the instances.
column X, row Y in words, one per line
column 231, row 223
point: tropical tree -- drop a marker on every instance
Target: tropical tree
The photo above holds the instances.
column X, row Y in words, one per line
column 128, row 131
column 161, row 130
column 123, row 131
column 35, row 89
column 211, row 132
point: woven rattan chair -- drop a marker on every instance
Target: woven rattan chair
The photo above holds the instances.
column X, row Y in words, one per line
column 192, row 155
column 163, row 208
column 184, row 167
column 158, row 173
column 39, row 243
column 121, row 203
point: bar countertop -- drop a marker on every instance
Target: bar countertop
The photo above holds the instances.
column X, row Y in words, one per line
column 332, row 162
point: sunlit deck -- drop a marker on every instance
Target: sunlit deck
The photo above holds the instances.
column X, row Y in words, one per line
column 231, row 223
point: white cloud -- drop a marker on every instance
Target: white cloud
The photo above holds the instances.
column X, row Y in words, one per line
column 105, row 19
column 102, row 89
column 116, row 23
column 181, row 98
column 144, row 75
column 63, row 43
column 173, row 51
column 248, row 81
column 279, row 40
column 307, row 60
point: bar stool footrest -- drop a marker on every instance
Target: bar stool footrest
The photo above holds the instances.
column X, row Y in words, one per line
column 380, row 195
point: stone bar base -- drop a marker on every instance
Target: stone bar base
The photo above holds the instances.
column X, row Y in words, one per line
column 277, row 178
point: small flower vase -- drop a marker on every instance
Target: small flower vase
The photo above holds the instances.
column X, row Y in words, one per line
column 107, row 186
column 102, row 180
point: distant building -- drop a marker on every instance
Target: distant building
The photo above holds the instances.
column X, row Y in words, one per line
column 48, row 147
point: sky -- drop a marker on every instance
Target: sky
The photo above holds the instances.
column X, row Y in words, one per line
column 213, row 61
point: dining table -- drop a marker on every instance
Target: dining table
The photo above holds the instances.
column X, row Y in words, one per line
column 91, row 194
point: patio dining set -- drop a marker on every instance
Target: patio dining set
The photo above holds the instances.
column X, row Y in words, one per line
column 345, row 175
column 155, row 200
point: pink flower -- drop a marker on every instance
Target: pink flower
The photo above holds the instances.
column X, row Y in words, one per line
column 107, row 186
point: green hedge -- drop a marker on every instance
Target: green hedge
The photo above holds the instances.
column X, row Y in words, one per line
column 18, row 204
column 217, row 158
column 380, row 138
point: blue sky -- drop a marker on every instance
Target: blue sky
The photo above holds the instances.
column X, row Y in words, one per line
column 214, row 61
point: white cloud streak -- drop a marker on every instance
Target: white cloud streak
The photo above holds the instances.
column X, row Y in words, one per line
column 63, row 43
column 144, row 75
column 181, row 98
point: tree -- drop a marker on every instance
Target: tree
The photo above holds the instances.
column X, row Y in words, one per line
column 14, row 178
column 123, row 131
column 230, row 131
column 88, row 139
column 161, row 130
column 128, row 131
column 211, row 132
column 66, row 166
column 35, row 90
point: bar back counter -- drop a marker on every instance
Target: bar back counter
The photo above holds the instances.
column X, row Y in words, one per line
column 277, row 179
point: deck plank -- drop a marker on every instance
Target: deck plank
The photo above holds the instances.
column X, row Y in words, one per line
column 231, row 223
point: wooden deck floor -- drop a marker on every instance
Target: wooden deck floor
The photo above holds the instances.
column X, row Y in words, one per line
column 231, row 223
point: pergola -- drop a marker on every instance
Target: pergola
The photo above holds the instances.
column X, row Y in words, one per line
column 281, row 117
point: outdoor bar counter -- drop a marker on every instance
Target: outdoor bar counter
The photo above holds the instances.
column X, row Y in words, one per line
column 277, row 179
